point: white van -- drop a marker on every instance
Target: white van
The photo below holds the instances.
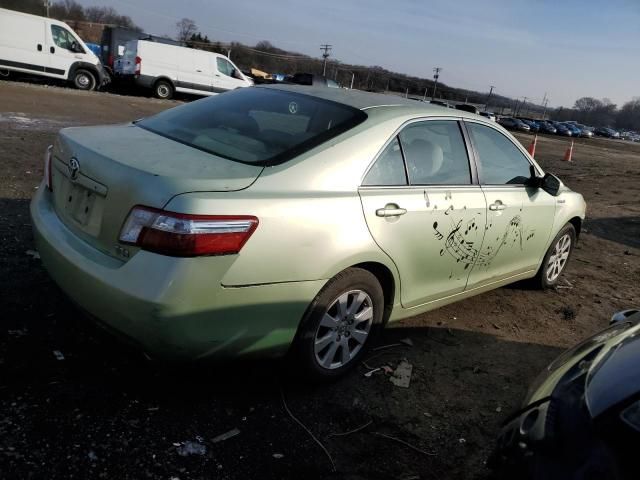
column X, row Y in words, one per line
column 47, row 47
column 167, row 69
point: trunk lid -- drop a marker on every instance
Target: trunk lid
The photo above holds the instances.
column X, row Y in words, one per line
column 100, row 173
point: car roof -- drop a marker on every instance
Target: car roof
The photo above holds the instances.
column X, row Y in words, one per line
column 366, row 100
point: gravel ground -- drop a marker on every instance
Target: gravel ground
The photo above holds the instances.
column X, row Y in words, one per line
column 75, row 403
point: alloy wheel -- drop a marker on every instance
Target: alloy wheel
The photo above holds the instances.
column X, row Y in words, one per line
column 558, row 259
column 344, row 329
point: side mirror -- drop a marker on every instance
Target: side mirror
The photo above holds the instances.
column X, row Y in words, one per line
column 236, row 74
column 551, row 184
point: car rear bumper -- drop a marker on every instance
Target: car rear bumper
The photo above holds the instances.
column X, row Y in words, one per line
column 174, row 308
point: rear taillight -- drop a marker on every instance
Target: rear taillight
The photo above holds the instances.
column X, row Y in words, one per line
column 48, row 158
column 138, row 65
column 185, row 235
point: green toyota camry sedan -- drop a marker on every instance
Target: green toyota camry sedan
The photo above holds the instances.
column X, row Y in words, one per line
column 297, row 221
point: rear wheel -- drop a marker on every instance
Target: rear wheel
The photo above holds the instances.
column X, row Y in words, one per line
column 163, row 89
column 84, row 80
column 556, row 258
column 340, row 325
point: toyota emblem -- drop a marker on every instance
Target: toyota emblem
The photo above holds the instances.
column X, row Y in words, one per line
column 74, row 168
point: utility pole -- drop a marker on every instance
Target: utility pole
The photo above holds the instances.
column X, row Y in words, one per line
column 406, row 93
column 524, row 103
column 545, row 101
column 326, row 51
column 352, row 77
column 486, row 104
column 436, row 75
column 46, row 5
column 424, row 97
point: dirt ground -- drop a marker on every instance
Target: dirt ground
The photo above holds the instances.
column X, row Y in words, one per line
column 75, row 403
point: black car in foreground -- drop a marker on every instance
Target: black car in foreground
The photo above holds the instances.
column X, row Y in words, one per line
column 581, row 417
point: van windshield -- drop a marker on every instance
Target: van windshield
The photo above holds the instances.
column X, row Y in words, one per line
column 258, row 126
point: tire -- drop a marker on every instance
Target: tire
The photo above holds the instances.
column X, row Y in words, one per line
column 163, row 89
column 318, row 351
column 547, row 276
column 84, row 80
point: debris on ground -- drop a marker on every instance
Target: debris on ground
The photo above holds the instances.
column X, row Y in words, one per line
column 568, row 313
column 278, row 455
column 402, row 375
column 499, row 409
column 226, row 436
column 372, row 371
column 58, row 354
column 355, row 430
column 412, row 447
column 92, row 456
column 191, row 448
column 405, row 342
column 17, row 333
column 34, row 254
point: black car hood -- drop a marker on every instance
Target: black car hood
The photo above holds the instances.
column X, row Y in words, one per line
column 615, row 378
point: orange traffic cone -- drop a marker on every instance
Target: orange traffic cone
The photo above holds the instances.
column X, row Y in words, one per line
column 532, row 146
column 568, row 154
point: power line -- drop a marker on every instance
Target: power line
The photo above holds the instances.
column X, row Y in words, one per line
column 326, row 48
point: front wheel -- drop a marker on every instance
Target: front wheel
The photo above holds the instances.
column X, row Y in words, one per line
column 556, row 258
column 84, row 80
column 340, row 325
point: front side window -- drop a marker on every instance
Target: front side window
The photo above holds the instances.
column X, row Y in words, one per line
column 225, row 67
column 500, row 162
column 258, row 126
column 389, row 167
column 63, row 38
column 435, row 153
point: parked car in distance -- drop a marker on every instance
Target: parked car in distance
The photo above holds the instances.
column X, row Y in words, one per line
column 573, row 128
column 47, row 47
column 210, row 229
column 547, row 127
column 514, row 124
column 165, row 69
column 310, row 79
column 442, row 103
column 562, row 129
column 581, row 416
column 533, row 125
column 490, row 115
column 465, row 107
column 585, row 131
column 606, row 132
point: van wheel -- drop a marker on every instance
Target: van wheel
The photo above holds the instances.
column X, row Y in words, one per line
column 339, row 326
column 84, row 80
column 163, row 89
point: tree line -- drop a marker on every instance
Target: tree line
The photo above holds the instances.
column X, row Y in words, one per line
column 602, row 113
column 71, row 10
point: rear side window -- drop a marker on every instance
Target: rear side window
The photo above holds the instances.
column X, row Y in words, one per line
column 389, row 167
column 435, row 153
column 258, row 126
column 500, row 162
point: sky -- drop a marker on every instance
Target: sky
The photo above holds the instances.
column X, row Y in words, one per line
column 565, row 48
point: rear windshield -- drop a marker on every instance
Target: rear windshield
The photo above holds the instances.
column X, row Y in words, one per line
column 258, row 126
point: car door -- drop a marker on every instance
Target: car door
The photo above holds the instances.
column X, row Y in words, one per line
column 224, row 75
column 22, row 42
column 61, row 51
column 519, row 217
column 200, row 74
column 424, row 209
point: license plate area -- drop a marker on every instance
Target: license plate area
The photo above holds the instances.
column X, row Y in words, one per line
column 79, row 204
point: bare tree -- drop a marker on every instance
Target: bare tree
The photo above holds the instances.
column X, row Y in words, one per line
column 186, row 29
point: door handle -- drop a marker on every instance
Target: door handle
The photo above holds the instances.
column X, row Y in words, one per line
column 52, row 49
column 498, row 205
column 199, row 71
column 217, row 75
column 390, row 210
column 39, row 47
